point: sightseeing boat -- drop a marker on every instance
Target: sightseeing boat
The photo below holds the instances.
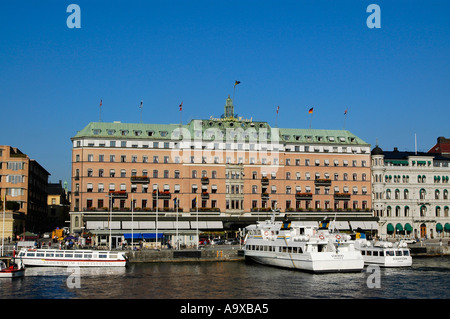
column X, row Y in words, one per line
column 10, row 268
column 69, row 257
column 302, row 247
column 384, row 253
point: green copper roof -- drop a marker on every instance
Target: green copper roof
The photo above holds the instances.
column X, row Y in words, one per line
column 200, row 128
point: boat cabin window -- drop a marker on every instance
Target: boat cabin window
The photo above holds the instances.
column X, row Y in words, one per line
column 382, row 253
column 59, row 255
column 398, row 253
column 375, row 253
column 102, row 256
column 69, row 255
column 49, row 254
column 405, row 253
column 87, row 255
column 39, row 254
column 369, row 253
column 78, row 255
column 30, row 254
column 389, row 253
column 363, row 252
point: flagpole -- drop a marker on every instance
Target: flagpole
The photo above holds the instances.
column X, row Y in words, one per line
column 156, row 223
column 141, row 109
column 310, row 122
column 132, row 220
column 100, row 110
column 176, row 237
column 196, row 204
column 3, row 230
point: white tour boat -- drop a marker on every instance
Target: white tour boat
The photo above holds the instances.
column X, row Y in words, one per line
column 384, row 253
column 10, row 268
column 69, row 257
column 301, row 247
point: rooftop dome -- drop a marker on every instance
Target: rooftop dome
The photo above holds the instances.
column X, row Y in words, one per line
column 377, row 151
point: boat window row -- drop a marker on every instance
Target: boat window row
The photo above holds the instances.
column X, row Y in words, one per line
column 284, row 249
column 67, row 254
column 390, row 253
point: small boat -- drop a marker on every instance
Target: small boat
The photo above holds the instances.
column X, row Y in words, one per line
column 9, row 268
column 301, row 247
column 384, row 253
column 69, row 257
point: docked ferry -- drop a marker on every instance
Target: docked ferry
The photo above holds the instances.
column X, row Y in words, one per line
column 67, row 258
column 384, row 253
column 302, row 247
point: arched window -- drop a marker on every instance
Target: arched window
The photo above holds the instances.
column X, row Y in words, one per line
column 405, row 194
column 397, row 194
column 397, row 211
column 423, row 211
column 388, row 211
column 445, row 194
column 436, row 194
column 388, row 194
column 438, row 211
column 422, row 193
column 406, row 211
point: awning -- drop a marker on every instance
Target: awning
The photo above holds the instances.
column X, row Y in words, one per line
column 399, row 227
column 340, row 225
column 447, row 227
column 408, row 227
column 142, row 235
column 439, row 227
column 390, row 228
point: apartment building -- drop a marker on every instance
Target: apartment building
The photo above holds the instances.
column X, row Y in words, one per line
column 24, row 182
column 411, row 193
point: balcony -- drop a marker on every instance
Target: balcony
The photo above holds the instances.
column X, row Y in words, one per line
column 264, row 195
column 342, row 196
column 304, row 196
column 205, row 180
column 264, row 181
column 322, row 182
column 140, row 179
column 205, row 195
column 162, row 195
column 118, row 194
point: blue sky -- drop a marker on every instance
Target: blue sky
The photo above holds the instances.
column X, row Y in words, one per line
column 296, row 54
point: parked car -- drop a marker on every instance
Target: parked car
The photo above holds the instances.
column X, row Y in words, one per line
column 232, row 241
column 218, row 241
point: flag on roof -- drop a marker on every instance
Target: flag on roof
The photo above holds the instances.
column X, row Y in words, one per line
column 181, row 106
column 345, row 112
column 278, row 108
column 310, row 110
column 236, row 83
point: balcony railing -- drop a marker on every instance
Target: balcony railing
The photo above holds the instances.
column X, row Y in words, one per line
column 342, row 196
column 322, row 182
column 162, row 195
column 264, row 181
column 306, row 196
column 140, row 179
column 118, row 194
column 205, row 180
column 205, row 195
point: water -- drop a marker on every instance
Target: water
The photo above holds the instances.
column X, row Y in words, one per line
column 428, row 278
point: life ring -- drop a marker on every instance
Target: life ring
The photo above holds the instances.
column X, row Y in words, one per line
column 321, row 237
column 266, row 233
column 338, row 237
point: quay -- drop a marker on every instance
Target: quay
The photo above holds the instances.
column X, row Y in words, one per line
column 219, row 253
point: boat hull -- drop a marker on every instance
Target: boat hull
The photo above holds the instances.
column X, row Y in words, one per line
column 12, row 273
column 389, row 262
column 315, row 263
column 73, row 263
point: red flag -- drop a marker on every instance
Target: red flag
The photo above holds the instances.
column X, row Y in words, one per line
column 181, row 106
column 100, row 102
column 345, row 112
column 278, row 108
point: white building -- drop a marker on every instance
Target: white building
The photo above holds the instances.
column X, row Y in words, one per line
column 411, row 193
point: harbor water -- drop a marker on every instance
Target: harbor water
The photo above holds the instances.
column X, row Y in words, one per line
column 428, row 278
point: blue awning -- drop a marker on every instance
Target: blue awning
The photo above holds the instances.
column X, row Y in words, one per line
column 142, row 235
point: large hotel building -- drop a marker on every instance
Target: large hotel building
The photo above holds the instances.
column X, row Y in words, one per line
column 223, row 169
